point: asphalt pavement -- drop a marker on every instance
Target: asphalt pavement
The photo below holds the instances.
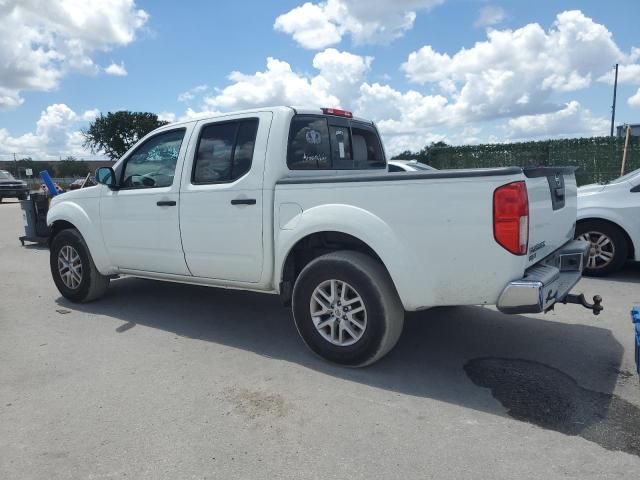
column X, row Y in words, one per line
column 168, row 381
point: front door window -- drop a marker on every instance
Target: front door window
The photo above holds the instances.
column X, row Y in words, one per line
column 153, row 164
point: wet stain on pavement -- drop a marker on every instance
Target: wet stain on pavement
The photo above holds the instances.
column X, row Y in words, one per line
column 253, row 404
column 544, row 396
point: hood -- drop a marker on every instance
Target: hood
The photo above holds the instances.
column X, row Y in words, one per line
column 87, row 192
column 12, row 182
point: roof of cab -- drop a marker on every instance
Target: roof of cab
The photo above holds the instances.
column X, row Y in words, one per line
column 296, row 110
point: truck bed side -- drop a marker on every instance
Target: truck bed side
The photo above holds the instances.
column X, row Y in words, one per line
column 433, row 232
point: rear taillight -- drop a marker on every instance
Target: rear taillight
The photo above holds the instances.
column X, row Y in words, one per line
column 511, row 217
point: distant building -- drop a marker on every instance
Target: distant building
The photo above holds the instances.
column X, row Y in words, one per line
column 622, row 130
column 10, row 166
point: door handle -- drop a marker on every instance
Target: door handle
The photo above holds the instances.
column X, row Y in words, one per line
column 243, row 201
column 166, row 203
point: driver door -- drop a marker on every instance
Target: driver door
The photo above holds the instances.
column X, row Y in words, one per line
column 140, row 219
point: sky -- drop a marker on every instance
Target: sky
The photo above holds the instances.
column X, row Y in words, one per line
column 459, row 71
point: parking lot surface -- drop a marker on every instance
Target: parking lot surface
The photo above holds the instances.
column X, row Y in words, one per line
column 168, row 381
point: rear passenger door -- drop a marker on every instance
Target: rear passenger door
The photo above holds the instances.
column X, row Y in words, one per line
column 221, row 205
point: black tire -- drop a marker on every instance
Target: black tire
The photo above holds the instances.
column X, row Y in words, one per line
column 23, row 196
column 93, row 284
column 617, row 246
column 384, row 311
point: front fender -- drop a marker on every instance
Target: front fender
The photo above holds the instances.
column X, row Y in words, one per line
column 85, row 218
column 350, row 220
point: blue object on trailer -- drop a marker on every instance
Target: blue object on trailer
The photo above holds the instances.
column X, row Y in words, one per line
column 635, row 318
column 46, row 178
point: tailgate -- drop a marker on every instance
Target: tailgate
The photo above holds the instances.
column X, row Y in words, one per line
column 552, row 196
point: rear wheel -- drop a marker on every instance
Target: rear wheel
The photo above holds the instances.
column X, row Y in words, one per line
column 609, row 250
column 73, row 270
column 346, row 308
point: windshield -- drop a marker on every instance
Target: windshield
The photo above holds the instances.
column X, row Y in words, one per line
column 6, row 175
column 626, row 177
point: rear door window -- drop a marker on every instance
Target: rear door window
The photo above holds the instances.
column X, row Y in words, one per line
column 225, row 151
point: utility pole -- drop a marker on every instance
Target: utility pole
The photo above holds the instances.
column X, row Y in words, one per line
column 613, row 107
column 15, row 166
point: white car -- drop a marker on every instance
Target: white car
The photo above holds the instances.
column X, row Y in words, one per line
column 609, row 219
column 298, row 202
column 407, row 166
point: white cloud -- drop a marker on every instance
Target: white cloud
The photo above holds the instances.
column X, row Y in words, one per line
column 43, row 40
column 191, row 114
column 278, row 85
column 489, row 15
column 515, row 72
column 340, row 73
column 116, row 69
column 572, row 120
column 318, row 25
column 167, row 117
column 190, row 94
column 56, row 135
column 90, row 115
column 634, row 100
column 627, row 73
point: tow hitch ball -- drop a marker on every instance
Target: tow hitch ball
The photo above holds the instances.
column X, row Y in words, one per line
column 596, row 307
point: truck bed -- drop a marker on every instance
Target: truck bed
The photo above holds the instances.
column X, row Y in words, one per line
column 432, row 230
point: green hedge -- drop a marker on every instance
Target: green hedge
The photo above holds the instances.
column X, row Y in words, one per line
column 599, row 158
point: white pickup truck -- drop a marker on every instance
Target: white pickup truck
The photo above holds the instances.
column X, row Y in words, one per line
column 298, row 202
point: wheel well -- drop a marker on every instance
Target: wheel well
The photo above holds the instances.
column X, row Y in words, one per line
column 57, row 227
column 615, row 225
column 311, row 247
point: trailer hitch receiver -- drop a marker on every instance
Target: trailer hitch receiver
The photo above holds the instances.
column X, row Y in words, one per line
column 596, row 307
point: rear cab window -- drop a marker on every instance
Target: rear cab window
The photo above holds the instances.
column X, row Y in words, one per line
column 325, row 142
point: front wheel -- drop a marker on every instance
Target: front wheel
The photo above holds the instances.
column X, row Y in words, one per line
column 346, row 308
column 73, row 270
column 608, row 251
column 24, row 196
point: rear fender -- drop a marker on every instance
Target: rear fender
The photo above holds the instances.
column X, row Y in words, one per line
column 349, row 220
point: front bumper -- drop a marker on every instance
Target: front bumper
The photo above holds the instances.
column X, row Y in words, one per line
column 547, row 282
column 13, row 192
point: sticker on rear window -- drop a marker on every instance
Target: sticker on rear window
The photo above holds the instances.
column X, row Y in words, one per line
column 313, row 137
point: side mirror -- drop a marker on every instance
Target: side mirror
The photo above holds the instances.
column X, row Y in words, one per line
column 106, row 176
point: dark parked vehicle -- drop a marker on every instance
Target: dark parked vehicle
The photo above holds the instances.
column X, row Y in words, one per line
column 82, row 182
column 12, row 188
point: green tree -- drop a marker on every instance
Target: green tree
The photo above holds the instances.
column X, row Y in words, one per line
column 24, row 163
column 70, row 167
column 113, row 134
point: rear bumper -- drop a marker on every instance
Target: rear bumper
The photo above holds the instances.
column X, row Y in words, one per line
column 547, row 282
